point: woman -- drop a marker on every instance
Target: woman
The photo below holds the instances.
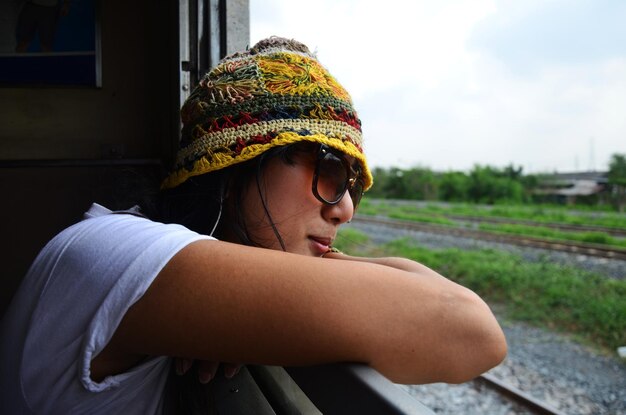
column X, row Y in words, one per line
column 270, row 163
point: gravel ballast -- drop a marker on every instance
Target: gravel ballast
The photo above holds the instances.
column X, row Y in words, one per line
column 550, row 367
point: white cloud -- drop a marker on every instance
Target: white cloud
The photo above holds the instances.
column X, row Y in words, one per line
column 432, row 91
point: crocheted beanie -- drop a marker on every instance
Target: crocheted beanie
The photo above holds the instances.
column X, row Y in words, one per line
column 274, row 94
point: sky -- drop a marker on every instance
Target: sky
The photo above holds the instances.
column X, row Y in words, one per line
column 450, row 84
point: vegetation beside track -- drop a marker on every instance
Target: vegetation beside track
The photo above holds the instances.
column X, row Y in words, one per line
column 582, row 215
column 494, row 185
column 436, row 214
column 599, row 238
column 567, row 299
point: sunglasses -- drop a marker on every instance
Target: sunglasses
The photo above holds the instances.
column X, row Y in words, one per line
column 334, row 176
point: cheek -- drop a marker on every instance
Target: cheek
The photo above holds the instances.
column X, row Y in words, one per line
column 291, row 192
column 287, row 194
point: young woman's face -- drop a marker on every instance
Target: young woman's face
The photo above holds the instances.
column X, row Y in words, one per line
column 306, row 225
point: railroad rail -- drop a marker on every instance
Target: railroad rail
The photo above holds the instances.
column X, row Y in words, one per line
column 490, row 219
column 551, row 225
column 595, row 250
column 513, row 394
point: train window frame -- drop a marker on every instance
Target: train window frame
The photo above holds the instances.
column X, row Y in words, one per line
column 75, row 58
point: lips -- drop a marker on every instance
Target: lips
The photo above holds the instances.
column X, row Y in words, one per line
column 321, row 240
column 320, row 245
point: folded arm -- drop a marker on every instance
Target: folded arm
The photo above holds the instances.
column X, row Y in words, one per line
column 225, row 302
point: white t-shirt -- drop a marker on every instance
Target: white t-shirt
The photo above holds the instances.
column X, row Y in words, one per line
column 68, row 307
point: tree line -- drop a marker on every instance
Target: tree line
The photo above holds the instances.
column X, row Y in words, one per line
column 482, row 184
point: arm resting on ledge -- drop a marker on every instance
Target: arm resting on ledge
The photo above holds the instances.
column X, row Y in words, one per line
column 232, row 303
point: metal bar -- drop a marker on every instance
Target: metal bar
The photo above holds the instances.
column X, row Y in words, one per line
column 354, row 389
column 193, row 42
column 223, row 28
column 203, row 39
column 184, row 57
column 239, row 395
column 214, row 33
column 98, row 45
column 280, row 390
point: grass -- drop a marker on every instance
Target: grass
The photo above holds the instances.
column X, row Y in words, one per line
column 536, row 213
column 417, row 217
column 436, row 214
column 542, row 293
column 600, row 238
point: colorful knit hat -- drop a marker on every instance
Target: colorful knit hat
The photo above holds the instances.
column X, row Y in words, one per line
column 274, row 94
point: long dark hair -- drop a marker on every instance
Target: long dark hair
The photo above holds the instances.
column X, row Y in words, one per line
column 212, row 203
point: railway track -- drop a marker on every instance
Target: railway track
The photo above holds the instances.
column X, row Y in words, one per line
column 551, row 225
column 490, row 219
column 595, row 250
column 515, row 395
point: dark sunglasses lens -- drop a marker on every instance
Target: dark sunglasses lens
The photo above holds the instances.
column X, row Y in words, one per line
column 332, row 178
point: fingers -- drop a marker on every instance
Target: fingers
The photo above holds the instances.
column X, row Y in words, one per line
column 183, row 365
column 231, row 369
column 206, row 370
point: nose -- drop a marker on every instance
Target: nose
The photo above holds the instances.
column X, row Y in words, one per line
column 340, row 212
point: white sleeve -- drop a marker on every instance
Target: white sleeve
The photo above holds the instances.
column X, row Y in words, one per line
column 94, row 271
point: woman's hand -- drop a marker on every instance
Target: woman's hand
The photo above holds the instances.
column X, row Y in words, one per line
column 403, row 264
column 206, row 369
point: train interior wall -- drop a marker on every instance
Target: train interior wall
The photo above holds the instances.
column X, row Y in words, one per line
column 132, row 116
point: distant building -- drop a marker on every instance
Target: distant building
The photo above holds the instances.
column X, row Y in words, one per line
column 569, row 188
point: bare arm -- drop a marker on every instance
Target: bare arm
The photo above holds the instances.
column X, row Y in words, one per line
column 225, row 302
column 465, row 351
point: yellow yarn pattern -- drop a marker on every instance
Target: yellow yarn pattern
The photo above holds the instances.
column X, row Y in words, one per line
column 228, row 137
column 222, row 160
column 275, row 94
column 286, row 73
